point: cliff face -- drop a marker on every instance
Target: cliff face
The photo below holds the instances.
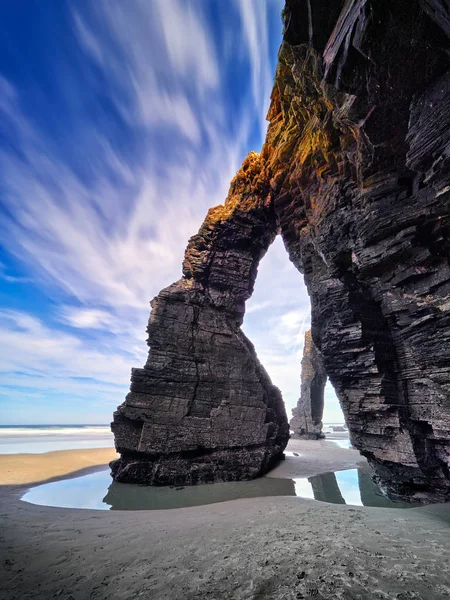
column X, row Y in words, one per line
column 306, row 419
column 363, row 200
column 355, row 173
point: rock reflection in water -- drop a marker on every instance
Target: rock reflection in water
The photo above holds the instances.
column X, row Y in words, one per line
column 98, row 492
column 325, row 488
column 354, row 487
column 124, row 496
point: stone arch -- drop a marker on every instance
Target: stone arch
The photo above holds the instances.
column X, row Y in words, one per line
column 355, row 174
column 203, row 408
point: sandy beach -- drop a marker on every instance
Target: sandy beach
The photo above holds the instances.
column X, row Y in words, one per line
column 273, row 547
column 21, row 469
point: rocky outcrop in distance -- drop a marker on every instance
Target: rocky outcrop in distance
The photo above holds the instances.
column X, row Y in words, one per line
column 355, row 175
column 307, row 416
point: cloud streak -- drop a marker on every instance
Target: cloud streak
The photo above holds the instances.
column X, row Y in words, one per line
column 117, row 243
column 163, row 100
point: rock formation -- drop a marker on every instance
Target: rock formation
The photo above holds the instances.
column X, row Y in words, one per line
column 306, row 419
column 361, row 103
column 355, row 173
column 203, row 408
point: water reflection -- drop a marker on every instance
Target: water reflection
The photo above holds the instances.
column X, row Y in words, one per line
column 97, row 491
column 123, row 496
column 341, row 442
column 325, row 488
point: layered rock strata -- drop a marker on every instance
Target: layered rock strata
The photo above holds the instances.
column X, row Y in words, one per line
column 203, row 408
column 306, row 419
column 359, row 144
column 355, row 173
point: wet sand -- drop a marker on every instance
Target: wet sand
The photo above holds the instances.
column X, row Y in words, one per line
column 275, row 548
column 19, row 469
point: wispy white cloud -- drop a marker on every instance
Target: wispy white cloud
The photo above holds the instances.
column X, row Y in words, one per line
column 119, row 243
column 45, row 368
column 254, row 15
column 11, row 278
column 34, row 349
column 91, row 318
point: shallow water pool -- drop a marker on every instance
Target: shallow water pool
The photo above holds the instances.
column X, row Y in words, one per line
column 98, row 491
column 341, row 442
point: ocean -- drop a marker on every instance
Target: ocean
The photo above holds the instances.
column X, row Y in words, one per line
column 36, row 439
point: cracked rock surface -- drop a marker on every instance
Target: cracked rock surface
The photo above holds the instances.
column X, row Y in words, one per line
column 359, row 144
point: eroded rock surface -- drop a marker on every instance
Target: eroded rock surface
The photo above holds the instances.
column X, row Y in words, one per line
column 306, row 419
column 359, row 144
column 355, row 173
column 203, row 408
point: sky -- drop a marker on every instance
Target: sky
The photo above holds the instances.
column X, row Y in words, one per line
column 121, row 123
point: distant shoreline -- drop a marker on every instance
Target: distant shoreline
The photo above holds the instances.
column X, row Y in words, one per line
column 44, row 425
column 39, row 439
column 32, row 468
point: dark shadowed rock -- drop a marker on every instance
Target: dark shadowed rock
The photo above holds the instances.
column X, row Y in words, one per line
column 306, row 419
column 364, row 205
column 355, row 174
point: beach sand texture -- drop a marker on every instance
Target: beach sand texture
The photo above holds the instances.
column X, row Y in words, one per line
column 276, row 548
column 20, row 469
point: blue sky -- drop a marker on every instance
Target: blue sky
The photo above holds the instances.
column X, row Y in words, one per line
column 121, row 123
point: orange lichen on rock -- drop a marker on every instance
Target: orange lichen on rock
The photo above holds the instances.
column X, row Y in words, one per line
column 311, row 137
column 249, row 200
column 246, row 188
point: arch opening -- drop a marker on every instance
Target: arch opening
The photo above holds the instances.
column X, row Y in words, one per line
column 277, row 319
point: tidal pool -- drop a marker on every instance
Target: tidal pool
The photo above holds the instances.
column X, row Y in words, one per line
column 98, row 491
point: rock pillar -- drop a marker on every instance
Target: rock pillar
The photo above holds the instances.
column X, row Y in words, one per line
column 306, row 421
column 359, row 143
column 203, row 408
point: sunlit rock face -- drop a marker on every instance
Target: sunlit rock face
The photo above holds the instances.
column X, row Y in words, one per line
column 203, row 408
column 306, row 419
column 355, row 173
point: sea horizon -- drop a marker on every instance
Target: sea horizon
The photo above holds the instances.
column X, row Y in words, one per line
column 40, row 438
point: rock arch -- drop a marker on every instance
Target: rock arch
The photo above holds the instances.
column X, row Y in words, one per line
column 203, row 408
column 355, row 174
